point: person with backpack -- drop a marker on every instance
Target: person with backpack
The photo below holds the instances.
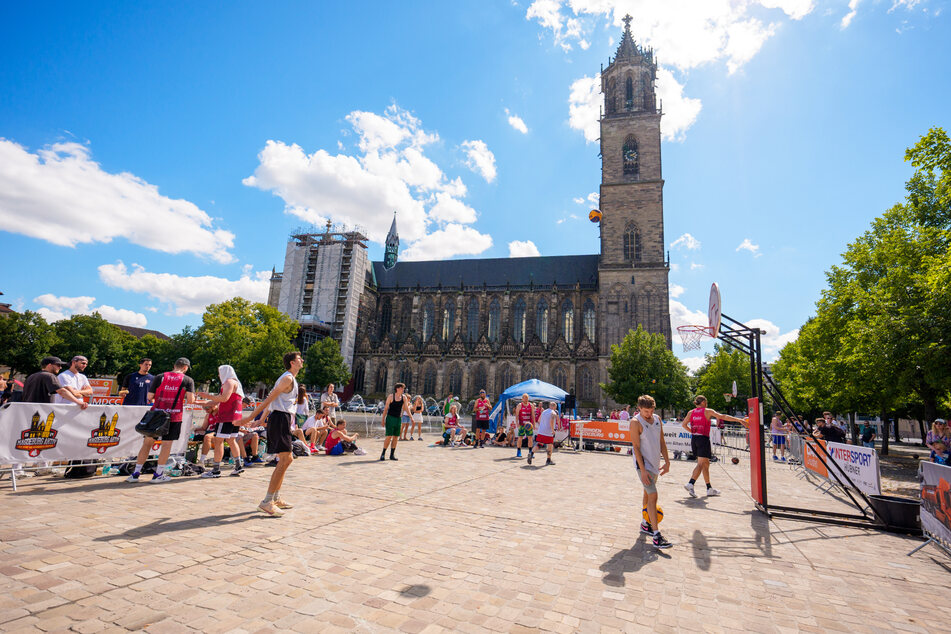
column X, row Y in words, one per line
column 230, row 408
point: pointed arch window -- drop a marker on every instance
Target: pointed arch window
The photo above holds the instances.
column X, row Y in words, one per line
column 630, row 157
column 588, row 320
column 479, row 379
column 455, row 380
column 429, row 317
column 541, row 320
column 449, row 321
column 629, row 94
column 587, row 385
column 386, row 316
column 406, row 378
column 381, row 379
column 505, row 380
column 518, row 322
column 429, row 381
column 560, row 378
column 568, row 322
column 495, row 318
column 530, row 372
column 406, row 317
column 632, row 243
column 472, row 320
column 359, row 378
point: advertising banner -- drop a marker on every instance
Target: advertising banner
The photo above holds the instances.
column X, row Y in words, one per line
column 31, row 432
column 618, row 432
column 936, row 501
column 811, row 459
column 102, row 387
column 860, row 464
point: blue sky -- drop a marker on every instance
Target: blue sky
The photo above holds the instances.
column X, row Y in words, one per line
column 155, row 157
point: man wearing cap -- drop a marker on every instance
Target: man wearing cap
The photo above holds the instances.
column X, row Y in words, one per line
column 74, row 380
column 42, row 386
column 168, row 391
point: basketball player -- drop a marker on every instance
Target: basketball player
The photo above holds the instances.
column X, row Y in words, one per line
column 647, row 438
column 697, row 422
column 525, row 415
column 482, row 408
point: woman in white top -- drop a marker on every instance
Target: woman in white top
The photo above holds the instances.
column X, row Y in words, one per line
column 418, row 407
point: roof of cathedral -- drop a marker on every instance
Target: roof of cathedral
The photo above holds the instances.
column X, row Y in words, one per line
column 628, row 48
column 563, row 271
column 393, row 237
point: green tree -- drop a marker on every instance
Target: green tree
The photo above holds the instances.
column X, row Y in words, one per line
column 324, row 364
column 715, row 378
column 105, row 345
column 643, row 364
column 25, row 338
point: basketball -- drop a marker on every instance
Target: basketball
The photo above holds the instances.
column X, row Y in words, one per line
column 660, row 514
column 736, row 460
column 595, row 216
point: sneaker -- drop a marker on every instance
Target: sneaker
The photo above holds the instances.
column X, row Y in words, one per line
column 783, row 459
column 281, row 504
column 420, row 438
column 660, row 541
column 646, row 528
column 359, row 452
column 160, row 478
column 131, row 478
column 237, row 470
column 775, row 458
column 255, row 460
column 549, row 461
column 270, row 508
column 313, row 448
column 272, row 463
column 690, row 490
column 711, row 492
column 518, row 454
column 392, row 458
column 211, row 474
column 531, row 454
column 235, row 473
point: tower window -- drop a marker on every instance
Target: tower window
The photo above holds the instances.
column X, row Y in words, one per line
column 472, row 321
column 629, row 94
column 632, row 244
column 541, row 321
column 630, row 157
column 429, row 315
column 518, row 322
column 589, row 320
column 449, row 321
column 495, row 315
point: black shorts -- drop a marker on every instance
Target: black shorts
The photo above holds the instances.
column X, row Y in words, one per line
column 279, row 438
column 174, row 431
column 482, row 424
column 700, row 446
column 226, row 430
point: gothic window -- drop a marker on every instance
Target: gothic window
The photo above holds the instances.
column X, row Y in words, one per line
column 495, row 316
column 505, row 380
column 611, row 100
column 386, row 316
column 406, row 316
column 359, row 378
column 530, row 372
column 406, row 378
column 479, row 380
column 429, row 315
column 632, row 243
column 588, row 320
column 587, row 385
column 560, row 378
column 568, row 323
column 630, row 157
column 381, row 378
column 645, row 94
column 455, row 380
column 429, row 381
column 648, row 315
column 472, row 320
column 629, row 94
column 541, row 320
column 449, row 320
column 518, row 322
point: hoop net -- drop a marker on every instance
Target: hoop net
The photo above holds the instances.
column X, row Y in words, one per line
column 727, row 396
column 692, row 335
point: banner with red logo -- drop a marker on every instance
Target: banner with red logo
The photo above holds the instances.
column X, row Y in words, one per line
column 102, row 387
column 936, row 501
column 32, row 432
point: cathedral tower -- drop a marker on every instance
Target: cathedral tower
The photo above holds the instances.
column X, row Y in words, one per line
column 392, row 246
column 632, row 271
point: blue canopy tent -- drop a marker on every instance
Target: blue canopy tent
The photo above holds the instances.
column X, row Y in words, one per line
column 536, row 390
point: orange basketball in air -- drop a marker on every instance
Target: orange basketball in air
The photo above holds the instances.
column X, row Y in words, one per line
column 595, row 216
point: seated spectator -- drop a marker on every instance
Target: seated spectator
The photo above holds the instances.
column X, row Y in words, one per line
column 207, row 431
column 940, row 453
column 338, row 442
column 249, row 439
column 316, row 428
column 452, row 430
column 501, row 435
column 939, row 433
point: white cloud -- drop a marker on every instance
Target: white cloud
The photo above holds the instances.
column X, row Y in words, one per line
column 680, row 315
column 680, row 111
column 579, row 200
column 453, row 239
column 908, row 5
column 59, row 194
column 523, row 249
column 54, row 308
column 516, row 122
column 774, row 339
column 676, row 290
column 686, row 241
column 694, row 266
column 548, row 14
column 693, row 363
column 848, row 17
column 795, row 9
column 186, row 295
column 480, row 159
column 392, row 173
column 594, row 198
column 584, row 100
column 746, row 245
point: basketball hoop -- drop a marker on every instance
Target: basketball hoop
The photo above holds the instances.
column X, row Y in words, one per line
column 691, row 336
column 727, row 397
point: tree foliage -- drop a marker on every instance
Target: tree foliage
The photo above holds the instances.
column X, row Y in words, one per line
column 25, row 338
column 715, row 378
column 643, row 364
column 105, row 345
column 324, row 364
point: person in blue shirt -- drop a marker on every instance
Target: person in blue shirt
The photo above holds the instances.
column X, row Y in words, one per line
column 136, row 386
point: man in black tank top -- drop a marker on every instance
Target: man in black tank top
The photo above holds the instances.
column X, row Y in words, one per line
column 393, row 410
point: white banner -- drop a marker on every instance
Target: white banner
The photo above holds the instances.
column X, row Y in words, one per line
column 32, row 432
column 859, row 463
column 936, row 501
column 678, row 438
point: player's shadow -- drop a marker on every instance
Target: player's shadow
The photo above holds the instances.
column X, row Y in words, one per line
column 761, row 533
column 347, row 463
column 416, row 590
column 629, row 560
column 162, row 526
column 701, row 550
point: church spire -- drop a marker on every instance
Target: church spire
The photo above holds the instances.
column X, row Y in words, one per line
column 392, row 246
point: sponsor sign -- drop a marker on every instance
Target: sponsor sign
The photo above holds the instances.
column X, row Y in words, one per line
column 618, row 432
column 102, row 387
column 39, row 431
column 860, row 464
column 936, row 502
column 811, row 459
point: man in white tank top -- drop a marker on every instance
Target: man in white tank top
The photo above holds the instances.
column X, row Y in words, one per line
column 647, row 437
column 282, row 402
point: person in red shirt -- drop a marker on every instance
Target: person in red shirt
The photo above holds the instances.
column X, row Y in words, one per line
column 230, row 409
column 697, row 422
column 483, row 406
column 525, row 416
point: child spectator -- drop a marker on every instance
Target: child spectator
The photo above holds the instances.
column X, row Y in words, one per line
column 338, row 442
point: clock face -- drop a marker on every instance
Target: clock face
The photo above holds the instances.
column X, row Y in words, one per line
column 630, row 155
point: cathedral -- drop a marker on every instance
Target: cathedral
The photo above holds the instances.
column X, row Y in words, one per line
column 458, row 326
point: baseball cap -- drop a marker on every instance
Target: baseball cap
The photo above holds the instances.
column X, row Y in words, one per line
column 940, row 420
column 183, row 361
column 51, row 359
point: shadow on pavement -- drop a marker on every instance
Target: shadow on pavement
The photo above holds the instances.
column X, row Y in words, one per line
column 162, row 525
column 416, row 590
column 701, row 550
column 629, row 560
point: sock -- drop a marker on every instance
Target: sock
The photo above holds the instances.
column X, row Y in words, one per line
column 383, row 453
column 204, row 457
column 692, row 482
column 237, row 463
column 138, row 468
column 268, row 498
column 159, row 470
column 277, row 495
column 216, row 467
column 708, row 485
column 392, row 452
column 656, row 532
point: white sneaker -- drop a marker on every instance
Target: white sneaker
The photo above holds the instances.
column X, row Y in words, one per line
column 159, row 479
column 711, row 492
column 690, row 490
column 359, row 452
column 132, row 478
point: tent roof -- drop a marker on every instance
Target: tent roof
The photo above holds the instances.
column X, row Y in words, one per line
column 535, row 389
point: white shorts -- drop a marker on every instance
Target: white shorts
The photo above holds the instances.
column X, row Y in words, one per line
column 418, row 417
